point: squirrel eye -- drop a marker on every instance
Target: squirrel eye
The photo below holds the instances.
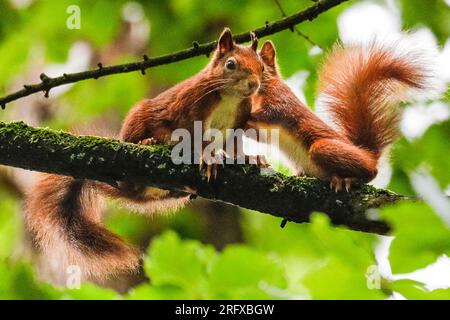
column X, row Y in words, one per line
column 230, row 65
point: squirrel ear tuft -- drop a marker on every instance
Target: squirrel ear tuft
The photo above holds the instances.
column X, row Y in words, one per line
column 267, row 53
column 254, row 40
column 226, row 42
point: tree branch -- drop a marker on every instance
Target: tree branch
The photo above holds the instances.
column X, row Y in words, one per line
column 48, row 83
column 291, row 198
column 294, row 28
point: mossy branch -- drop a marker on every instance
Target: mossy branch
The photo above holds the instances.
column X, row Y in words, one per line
column 47, row 83
column 108, row 160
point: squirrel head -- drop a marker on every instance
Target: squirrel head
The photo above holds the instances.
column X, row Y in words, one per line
column 268, row 56
column 239, row 68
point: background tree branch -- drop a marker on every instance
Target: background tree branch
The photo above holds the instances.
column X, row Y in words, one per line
column 291, row 198
column 197, row 49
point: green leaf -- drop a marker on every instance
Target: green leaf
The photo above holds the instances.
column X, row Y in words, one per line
column 89, row 291
column 118, row 95
column 414, row 290
column 243, row 273
column 432, row 150
column 183, row 264
column 353, row 248
column 434, row 14
column 336, row 279
column 187, row 269
column 164, row 292
column 306, row 248
column 10, row 225
column 18, row 282
column 347, row 255
column 420, row 236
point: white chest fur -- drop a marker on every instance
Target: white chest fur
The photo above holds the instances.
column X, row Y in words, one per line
column 224, row 115
column 297, row 153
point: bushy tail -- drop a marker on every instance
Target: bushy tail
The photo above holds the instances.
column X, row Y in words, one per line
column 63, row 216
column 361, row 87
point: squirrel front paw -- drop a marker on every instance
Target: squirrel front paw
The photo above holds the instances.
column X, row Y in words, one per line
column 261, row 161
column 300, row 172
column 148, row 142
column 212, row 163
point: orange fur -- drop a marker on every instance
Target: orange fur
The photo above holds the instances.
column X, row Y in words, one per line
column 362, row 85
column 195, row 99
column 63, row 214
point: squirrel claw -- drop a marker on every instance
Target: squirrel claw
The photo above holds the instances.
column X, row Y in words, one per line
column 301, row 173
column 208, row 172
column 212, row 164
column 221, row 157
column 262, row 161
column 336, row 184
column 211, row 167
column 211, row 171
column 348, row 184
column 148, row 142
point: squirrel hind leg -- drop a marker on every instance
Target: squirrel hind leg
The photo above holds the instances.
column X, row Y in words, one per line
column 344, row 163
column 212, row 162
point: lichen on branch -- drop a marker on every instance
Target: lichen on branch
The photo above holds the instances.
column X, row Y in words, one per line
column 288, row 197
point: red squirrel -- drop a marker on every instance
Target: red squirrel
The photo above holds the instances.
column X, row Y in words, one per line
column 63, row 214
column 361, row 86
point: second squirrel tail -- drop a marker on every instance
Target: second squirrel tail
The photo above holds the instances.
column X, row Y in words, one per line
column 361, row 86
column 63, row 216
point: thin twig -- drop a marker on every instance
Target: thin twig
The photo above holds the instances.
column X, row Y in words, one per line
column 197, row 49
column 294, row 28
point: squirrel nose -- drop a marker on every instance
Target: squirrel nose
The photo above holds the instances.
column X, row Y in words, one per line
column 253, row 84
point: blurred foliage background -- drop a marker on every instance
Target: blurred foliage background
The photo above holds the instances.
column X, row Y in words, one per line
column 213, row 250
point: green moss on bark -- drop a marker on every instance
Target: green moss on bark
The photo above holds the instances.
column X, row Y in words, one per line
column 109, row 160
